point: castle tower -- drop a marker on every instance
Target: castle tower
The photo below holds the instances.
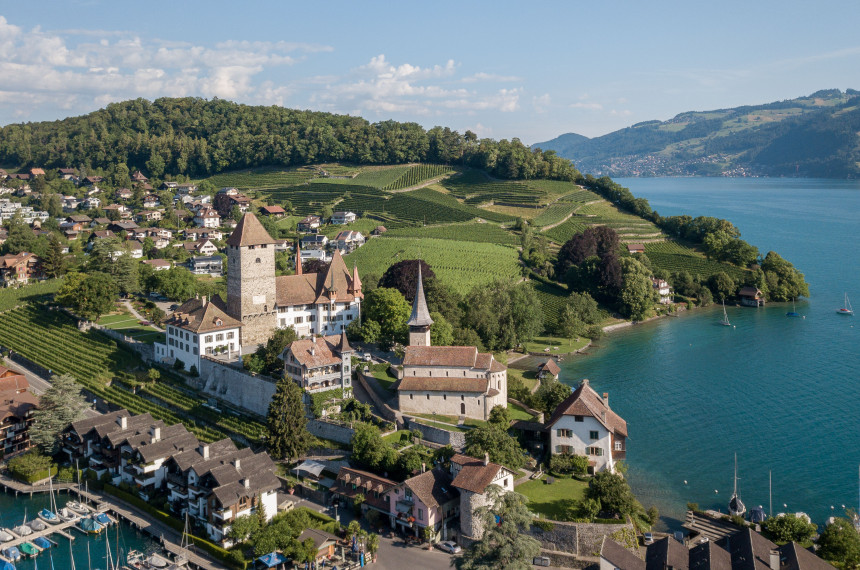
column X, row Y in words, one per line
column 251, row 280
column 419, row 322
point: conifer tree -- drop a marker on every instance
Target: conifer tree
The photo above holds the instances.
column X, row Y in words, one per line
column 54, row 262
column 59, row 405
column 286, row 422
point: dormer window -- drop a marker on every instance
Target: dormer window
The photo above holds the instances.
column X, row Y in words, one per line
column 218, row 322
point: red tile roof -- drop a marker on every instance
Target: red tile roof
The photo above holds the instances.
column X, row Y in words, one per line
column 474, row 476
column 442, row 384
column 249, row 232
column 461, row 356
column 198, row 316
column 317, row 352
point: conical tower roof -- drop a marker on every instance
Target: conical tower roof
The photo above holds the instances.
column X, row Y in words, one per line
column 249, row 231
column 343, row 344
column 420, row 315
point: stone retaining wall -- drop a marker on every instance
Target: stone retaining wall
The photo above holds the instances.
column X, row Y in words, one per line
column 579, row 539
column 384, row 409
column 330, row 431
column 455, row 439
column 247, row 391
column 145, row 350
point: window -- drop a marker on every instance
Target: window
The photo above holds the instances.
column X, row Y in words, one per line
column 564, row 433
column 219, row 337
column 410, row 397
column 577, row 418
column 349, row 317
column 420, row 514
column 563, row 449
column 619, row 446
column 444, row 396
column 195, row 351
column 462, row 398
column 258, row 260
column 300, row 320
column 593, row 435
column 208, row 338
column 594, row 451
column 428, row 396
column 408, row 493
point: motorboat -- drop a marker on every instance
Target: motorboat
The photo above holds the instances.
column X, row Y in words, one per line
column 5, row 535
column 42, row 542
column 67, row 514
column 12, row 553
column 29, row 550
column 103, row 519
column 78, row 507
column 90, row 526
column 37, row 525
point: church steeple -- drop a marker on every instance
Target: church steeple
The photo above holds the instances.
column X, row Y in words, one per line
column 419, row 322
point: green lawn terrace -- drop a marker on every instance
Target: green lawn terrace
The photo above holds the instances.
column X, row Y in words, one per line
column 552, row 500
column 461, row 265
column 125, row 323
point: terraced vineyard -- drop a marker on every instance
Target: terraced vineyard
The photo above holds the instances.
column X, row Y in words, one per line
column 378, row 177
column 460, row 264
column 673, row 256
column 563, row 232
column 418, row 174
column 554, row 214
column 552, row 300
column 469, row 231
column 263, row 178
column 430, row 195
column 474, row 187
column 310, row 198
column 629, row 227
column 92, row 359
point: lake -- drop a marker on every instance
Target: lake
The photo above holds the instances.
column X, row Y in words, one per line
column 782, row 393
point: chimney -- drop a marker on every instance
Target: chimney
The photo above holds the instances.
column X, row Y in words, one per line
column 603, row 416
column 122, row 421
column 486, row 459
column 156, row 434
column 237, row 463
column 423, row 467
column 246, row 482
column 606, row 398
column 204, row 451
column 774, row 560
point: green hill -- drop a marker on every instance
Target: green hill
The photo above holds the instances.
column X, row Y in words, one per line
column 813, row 136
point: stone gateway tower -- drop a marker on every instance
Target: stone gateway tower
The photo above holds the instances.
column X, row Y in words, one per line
column 251, row 293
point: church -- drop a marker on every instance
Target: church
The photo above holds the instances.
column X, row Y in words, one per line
column 448, row 380
column 258, row 302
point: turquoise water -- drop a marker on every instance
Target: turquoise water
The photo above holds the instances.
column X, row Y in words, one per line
column 12, row 514
column 783, row 393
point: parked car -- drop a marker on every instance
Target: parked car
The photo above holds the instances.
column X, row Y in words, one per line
column 648, row 538
column 449, row 547
column 367, row 357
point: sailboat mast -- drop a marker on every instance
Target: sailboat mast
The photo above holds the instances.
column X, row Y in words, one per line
column 735, row 491
column 770, row 493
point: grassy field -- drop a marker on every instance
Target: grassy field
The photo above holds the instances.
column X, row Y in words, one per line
column 462, row 265
column 565, row 345
column 551, row 501
column 126, row 324
column 518, row 413
column 468, row 231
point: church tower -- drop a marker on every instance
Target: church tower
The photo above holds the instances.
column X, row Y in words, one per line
column 419, row 322
column 251, row 280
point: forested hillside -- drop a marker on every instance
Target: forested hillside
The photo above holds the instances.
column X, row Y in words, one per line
column 197, row 138
column 814, row 136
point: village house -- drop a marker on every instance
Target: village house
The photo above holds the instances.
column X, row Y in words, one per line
column 635, row 248
column 207, row 218
column 348, row 241
column 323, row 541
column 751, row 297
column 122, row 226
column 199, row 327
column 341, row 218
column 148, row 216
column 201, row 247
column 548, row 369
column 99, row 222
column 133, row 248
column 309, row 224
column 203, row 233
column 16, row 412
column 168, row 185
column 186, row 188
column 79, row 219
column 378, row 231
column 34, row 172
column 151, row 201
column 584, row 424
column 320, row 363
column 273, row 211
column 450, row 380
column 206, row 265
column 350, row 483
column 320, row 254
column 91, row 203
column 661, row 286
column 70, row 203
column 20, row 269
column 69, row 174
column 138, row 177
column 124, row 194
column 121, row 209
column 92, row 181
column 228, row 198
column 316, row 241
column 159, row 264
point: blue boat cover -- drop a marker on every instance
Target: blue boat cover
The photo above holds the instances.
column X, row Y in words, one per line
column 12, row 553
column 103, row 519
column 272, row 559
column 7, row 566
column 42, row 542
column 89, row 525
column 47, row 514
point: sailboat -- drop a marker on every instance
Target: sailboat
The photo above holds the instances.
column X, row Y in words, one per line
column 736, row 506
column 846, row 307
column 793, row 312
column 23, row 530
column 725, row 322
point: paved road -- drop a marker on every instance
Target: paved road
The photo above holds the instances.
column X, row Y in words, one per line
column 38, row 384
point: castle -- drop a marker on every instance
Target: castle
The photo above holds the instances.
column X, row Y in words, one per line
column 258, row 302
column 449, row 380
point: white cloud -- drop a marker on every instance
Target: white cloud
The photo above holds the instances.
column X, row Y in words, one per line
column 542, row 103
column 481, row 76
column 588, row 106
column 621, row 113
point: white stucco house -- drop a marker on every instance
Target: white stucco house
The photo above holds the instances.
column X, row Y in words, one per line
column 198, row 327
column 583, row 424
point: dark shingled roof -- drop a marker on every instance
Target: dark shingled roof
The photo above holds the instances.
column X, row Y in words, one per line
column 474, row 476
column 87, row 424
column 442, row 384
column 320, row 537
column 619, row 556
column 749, row 550
column 194, row 457
column 420, row 314
column 432, row 487
column 667, row 553
column 794, row 557
column 584, row 401
column 249, row 232
column 549, row 366
column 709, row 556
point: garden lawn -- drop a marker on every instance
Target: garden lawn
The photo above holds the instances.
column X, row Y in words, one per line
column 565, row 345
column 527, row 377
column 447, row 427
column 386, row 380
column 551, row 501
column 518, row 413
column 129, row 326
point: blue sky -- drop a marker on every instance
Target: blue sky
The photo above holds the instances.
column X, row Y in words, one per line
column 532, row 70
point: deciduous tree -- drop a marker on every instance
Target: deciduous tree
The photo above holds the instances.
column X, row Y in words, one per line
column 839, row 542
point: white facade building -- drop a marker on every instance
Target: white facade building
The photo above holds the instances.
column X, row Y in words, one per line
column 199, row 327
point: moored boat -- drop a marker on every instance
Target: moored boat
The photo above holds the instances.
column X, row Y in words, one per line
column 23, row 530
column 78, row 507
column 5, row 535
column 846, row 308
column 29, row 550
column 67, row 515
column 37, row 525
column 736, row 506
column 42, row 542
column 49, row 516
column 12, row 553
column 90, row 526
column 103, row 519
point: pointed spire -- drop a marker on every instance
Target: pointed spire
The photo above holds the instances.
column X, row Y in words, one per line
column 356, row 282
column 420, row 315
column 343, row 345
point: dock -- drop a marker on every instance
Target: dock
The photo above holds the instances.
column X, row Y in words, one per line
column 708, row 525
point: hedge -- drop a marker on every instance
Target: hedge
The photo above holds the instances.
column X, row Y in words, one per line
column 221, row 554
column 32, row 477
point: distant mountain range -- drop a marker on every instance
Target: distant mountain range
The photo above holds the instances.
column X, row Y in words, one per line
column 814, row 136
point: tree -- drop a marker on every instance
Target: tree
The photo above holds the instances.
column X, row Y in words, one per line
column 403, row 276
column 789, row 528
column 390, row 309
column 20, row 237
column 550, row 394
column 286, row 423
column 722, row 285
column 125, row 274
column 368, row 447
column 90, row 295
column 496, row 442
column 637, row 297
column 270, row 353
column 784, row 282
column 441, row 331
column 839, row 542
column 54, row 261
column 243, row 527
column 613, row 492
column 59, row 406
column 500, row 417
column 177, row 283
column 505, row 545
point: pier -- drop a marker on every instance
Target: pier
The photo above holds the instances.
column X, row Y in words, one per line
column 169, row 538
